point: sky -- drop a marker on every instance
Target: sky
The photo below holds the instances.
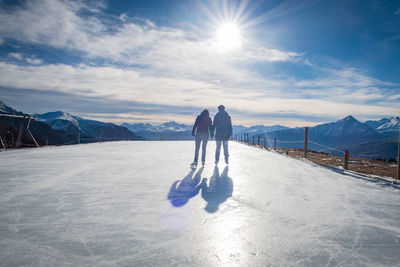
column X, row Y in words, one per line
column 293, row 62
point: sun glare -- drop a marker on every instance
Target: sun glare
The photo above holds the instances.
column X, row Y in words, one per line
column 228, row 37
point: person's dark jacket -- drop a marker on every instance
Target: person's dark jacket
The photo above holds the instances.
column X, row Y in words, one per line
column 203, row 124
column 222, row 125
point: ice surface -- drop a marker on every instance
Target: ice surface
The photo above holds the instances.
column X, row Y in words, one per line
column 139, row 204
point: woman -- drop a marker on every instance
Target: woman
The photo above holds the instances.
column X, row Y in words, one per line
column 201, row 129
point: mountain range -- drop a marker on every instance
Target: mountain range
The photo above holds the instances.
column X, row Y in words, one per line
column 57, row 128
column 371, row 139
column 173, row 130
column 90, row 130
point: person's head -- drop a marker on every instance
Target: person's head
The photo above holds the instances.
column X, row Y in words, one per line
column 221, row 107
column 205, row 113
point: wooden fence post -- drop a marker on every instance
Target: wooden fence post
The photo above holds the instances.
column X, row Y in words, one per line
column 253, row 140
column 258, row 140
column 248, row 140
column 79, row 137
column 21, row 124
column 241, row 140
column 1, row 140
column 27, row 128
column 2, row 127
column 275, row 143
column 346, row 160
column 305, row 141
column 265, row 142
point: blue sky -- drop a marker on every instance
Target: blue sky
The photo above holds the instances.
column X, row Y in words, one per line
column 291, row 62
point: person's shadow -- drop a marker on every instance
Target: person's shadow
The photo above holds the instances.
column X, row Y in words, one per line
column 188, row 187
column 218, row 191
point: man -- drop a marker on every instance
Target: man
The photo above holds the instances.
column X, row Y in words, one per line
column 223, row 131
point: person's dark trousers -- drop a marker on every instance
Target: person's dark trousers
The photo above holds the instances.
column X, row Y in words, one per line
column 201, row 137
column 217, row 151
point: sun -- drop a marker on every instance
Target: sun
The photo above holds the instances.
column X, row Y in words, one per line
column 228, row 37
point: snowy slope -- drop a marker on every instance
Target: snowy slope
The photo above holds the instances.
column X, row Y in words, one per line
column 239, row 130
column 58, row 120
column 375, row 124
column 347, row 126
column 63, row 121
column 138, row 204
column 89, row 129
column 168, row 130
column 164, row 127
column 392, row 125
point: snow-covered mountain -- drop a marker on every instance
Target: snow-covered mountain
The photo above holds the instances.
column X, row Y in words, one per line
column 174, row 126
column 385, row 125
column 138, row 127
column 89, row 129
column 348, row 133
column 239, row 130
column 42, row 132
column 344, row 127
column 59, row 120
column 167, row 131
column 170, row 126
column 374, row 139
column 173, row 130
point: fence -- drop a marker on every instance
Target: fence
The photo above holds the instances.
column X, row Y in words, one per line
column 13, row 129
column 21, row 129
column 305, row 151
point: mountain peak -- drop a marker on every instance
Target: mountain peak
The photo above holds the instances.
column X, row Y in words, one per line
column 8, row 110
column 348, row 118
column 170, row 123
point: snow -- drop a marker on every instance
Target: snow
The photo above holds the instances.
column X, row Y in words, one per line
column 392, row 125
column 59, row 120
column 138, row 204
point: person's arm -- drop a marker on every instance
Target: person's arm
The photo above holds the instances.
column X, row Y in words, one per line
column 196, row 123
column 230, row 126
column 210, row 128
column 215, row 122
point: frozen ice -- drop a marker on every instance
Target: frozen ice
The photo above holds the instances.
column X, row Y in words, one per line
column 139, row 204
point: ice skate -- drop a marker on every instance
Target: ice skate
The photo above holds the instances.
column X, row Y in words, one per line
column 193, row 165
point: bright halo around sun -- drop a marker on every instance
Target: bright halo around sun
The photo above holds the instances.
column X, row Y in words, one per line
column 228, row 37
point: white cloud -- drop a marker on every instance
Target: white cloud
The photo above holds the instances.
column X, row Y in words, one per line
column 30, row 60
column 272, row 55
column 17, row 56
column 123, row 17
column 33, row 61
column 346, row 85
column 170, row 51
column 122, row 84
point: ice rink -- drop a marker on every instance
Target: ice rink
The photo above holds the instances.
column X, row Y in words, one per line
column 139, row 204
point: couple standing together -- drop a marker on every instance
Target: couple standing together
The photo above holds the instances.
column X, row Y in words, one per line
column 203, row 128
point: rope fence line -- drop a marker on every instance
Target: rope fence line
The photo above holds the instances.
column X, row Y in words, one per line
column 327, row 147
column 389, row 131
column 289, row 142
column 246, row 140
